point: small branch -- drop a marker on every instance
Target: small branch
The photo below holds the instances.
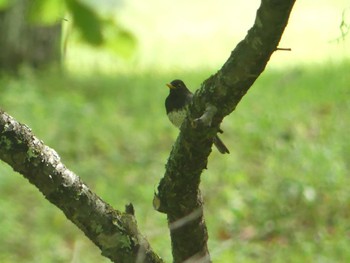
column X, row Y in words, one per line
column 114, row 232
column 344, row 26
column 284, row 49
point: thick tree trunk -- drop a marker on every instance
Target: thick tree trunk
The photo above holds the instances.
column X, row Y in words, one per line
column 23, row 43
column 178, row 191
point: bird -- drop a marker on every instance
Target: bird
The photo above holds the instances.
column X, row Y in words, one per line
column 176, row 108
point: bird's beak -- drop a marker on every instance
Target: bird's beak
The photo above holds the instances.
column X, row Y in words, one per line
column 170, row 86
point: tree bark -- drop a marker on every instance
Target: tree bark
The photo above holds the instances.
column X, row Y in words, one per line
column 114, row 232
column 24, row 43
column 178, row 192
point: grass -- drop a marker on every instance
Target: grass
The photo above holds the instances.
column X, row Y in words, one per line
column 280, row 196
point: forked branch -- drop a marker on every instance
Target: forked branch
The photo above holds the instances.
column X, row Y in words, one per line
column 178, row 192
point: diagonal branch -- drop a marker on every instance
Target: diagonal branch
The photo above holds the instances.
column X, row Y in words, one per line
column 114, row 232
column 178, row 191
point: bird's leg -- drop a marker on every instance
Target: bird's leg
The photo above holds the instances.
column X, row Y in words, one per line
column 207, row 117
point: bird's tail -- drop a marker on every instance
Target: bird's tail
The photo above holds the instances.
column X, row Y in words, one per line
column 220, row 145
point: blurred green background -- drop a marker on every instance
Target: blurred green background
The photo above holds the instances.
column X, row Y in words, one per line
column 280, row 196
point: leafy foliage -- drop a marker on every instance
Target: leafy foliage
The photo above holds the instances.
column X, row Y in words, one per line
column 46, row 11
column 85, row 21
column 100, row 31
column 4, row 4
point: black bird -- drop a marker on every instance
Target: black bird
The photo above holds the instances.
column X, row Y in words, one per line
column 176, row 108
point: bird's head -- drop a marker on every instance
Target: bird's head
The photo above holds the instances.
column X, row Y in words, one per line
column 177, row 86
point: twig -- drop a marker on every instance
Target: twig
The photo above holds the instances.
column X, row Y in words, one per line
column 284, row 49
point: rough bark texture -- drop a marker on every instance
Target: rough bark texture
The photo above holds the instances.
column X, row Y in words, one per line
column 178, row 192
column 114, row 232
column 23, row 43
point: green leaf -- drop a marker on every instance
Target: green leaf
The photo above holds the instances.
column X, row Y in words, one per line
column 118, row 40
column 5, row 3
column 86, row 21
column 46, row 12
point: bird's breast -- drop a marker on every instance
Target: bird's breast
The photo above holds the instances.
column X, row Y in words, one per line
column 177, row 117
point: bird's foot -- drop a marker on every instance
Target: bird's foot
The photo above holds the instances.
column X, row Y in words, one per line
column 207, row 117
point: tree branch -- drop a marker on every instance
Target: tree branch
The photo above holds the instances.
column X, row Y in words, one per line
column 114, row 232
column 178, row 192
